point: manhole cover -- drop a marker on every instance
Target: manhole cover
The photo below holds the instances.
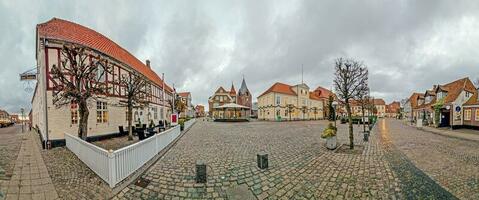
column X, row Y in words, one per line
column 142, row 182
column 240, row 192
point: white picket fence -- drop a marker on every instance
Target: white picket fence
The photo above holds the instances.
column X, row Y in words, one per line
column 114, row 166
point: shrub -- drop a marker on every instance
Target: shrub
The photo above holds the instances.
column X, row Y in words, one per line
column 330, row 131
column 181, row 122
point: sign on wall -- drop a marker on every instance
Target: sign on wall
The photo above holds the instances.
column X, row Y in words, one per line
column 174, row 119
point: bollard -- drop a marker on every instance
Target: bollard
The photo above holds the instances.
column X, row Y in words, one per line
column 262, row 159
column 200, row 171
column 366, row 136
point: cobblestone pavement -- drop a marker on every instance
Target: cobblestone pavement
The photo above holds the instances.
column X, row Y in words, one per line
column 415, row 184
column 453, row 163
column 115, row 143
column 10, row 143
column 30, row 179
column 72, row 178
column 300, row 166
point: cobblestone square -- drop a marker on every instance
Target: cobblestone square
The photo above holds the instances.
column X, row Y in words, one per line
column 300, row 165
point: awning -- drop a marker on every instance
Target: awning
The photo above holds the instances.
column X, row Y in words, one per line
column 232, row 105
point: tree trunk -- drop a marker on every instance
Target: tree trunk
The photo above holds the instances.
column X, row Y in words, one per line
column 350, row 123
column 130, row 117
column 364, row 123
column 83, row 126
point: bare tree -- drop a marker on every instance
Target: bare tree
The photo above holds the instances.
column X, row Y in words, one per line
column 135, row 88
column 350, row 76
column 290, row 109
column 363, row 100
column 79, row 78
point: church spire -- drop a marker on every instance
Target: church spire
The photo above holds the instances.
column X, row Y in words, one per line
column 232, row 91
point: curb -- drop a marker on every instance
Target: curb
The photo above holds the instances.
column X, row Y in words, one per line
column 446, row 135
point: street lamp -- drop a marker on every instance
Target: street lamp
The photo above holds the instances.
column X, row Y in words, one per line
column 334, row 107
column 22, row 111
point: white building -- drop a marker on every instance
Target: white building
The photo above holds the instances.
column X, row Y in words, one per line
column 105, row 114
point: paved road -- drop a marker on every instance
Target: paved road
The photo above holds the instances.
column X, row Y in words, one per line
column 452, row 163
column 415, row 184
column 10, row 142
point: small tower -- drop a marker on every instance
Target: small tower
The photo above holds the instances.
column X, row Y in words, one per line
column 233, row 92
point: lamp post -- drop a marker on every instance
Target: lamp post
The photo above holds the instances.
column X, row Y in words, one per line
column 22, row 111
column 334, row 107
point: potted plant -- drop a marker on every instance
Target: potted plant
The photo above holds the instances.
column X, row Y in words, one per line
column 330, row 135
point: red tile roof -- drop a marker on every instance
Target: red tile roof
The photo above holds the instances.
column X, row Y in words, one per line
column 413, row 99
column 323, row 92
column 455, row 88
column 474, row 100
column 280, row 88
column 60, row 29
column 184, row 94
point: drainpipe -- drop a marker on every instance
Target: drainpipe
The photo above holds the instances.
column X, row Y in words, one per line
column 46, row 98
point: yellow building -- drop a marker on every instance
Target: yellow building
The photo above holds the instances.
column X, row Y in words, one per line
column 285, row 102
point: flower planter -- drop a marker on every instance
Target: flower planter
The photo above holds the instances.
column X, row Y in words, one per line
column 331, row 143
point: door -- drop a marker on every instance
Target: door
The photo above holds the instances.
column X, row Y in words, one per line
column 445, row 119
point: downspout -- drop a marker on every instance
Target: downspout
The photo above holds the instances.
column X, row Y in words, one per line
column 45, row 94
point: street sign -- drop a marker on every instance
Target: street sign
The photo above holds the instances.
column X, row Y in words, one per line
column 458, row 108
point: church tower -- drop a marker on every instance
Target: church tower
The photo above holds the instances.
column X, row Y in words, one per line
column 244, row 96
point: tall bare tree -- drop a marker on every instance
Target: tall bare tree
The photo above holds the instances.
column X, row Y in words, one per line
column 135, row 88
column 79, row 78
column 350, row 77
column 363, row 100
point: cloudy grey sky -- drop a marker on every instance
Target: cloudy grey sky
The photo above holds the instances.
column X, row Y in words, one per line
column 200, row 45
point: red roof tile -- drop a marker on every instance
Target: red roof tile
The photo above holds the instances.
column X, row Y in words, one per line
column 280, row 88
column 71, row 32
column 184, row 94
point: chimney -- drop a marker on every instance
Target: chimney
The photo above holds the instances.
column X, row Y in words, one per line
column 148, row 63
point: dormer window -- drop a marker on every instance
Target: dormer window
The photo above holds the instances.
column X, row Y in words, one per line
column 468, row 94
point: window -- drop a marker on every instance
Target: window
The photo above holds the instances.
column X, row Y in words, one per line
column 467, row 114
column 468, row 94
column 155, row 113
column 74, row 112
column 101, row 112
column 477, row 115
column 278, row 100
column 136, row 118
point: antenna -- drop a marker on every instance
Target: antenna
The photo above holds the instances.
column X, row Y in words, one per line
column 302, row 74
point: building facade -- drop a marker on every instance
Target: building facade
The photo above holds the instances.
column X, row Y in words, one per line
column 393, row 109
column 219, row 98
column 200, row 111
column 105, row 114
column 286, row 102
column 452, row 103
column 189, row 110
column 244, row 96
